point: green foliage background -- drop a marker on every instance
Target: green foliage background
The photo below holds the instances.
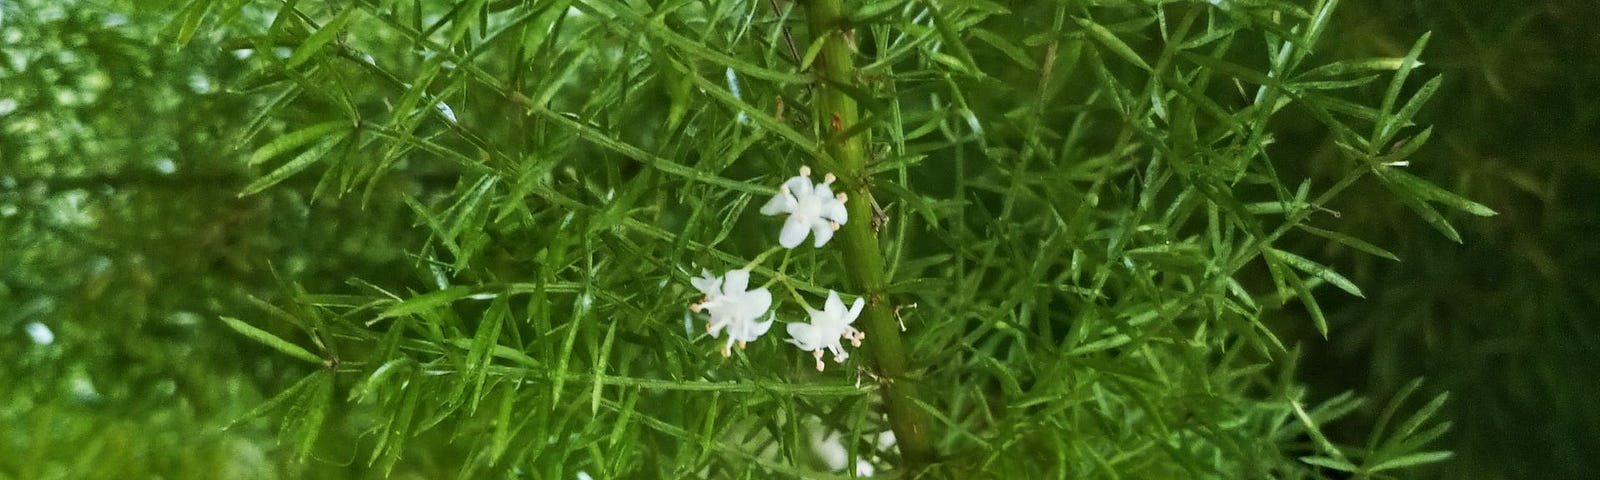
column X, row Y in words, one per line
column 471, row 268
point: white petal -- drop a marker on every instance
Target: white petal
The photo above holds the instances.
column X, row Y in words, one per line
column 838, row 350
column 707, row 284
column 833, row 209
column 735, row 282
column 834, row 306
column 40, row 333
column 794, row 231
column 830, row 449
column 864, row 468
column 799, row 186
column 855, row 311
column 804, row 335
column 822, row 230
column 754, row 303
column 752, row 330
column 780, row 203
column 822, row 191
column 718, row 321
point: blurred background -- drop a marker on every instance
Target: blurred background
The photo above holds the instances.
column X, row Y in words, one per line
column 122, row 240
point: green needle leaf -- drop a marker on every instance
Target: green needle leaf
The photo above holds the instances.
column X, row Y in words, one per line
column 314, row 43
column 1110, row 41
column 271, row 340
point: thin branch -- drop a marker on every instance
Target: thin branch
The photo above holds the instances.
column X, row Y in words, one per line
column 837, row 112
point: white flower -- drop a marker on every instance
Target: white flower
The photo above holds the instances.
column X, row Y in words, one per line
column 810, row 207
column 827, row 328
column 829, row 447
column 40, row 333
column 831, row 450
column 732, row 307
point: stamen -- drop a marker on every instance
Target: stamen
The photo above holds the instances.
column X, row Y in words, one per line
column 834, row 226
column 727, row 351
column 829, row 178
column 741, row 344
column 805, row 171
column 820, row 365
column 696, row 309
column 842, row 197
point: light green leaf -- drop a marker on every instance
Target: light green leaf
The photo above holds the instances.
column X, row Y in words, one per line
column 315, row 408
column 425, row 302
column 1110, row 41
column 1392, row 94
column 1007, row 47
column 1427, row 191
column 481, row 355
column 1423, row 414
column 691, row 46
column 601, row 358
column 1232, row 69
column 1402, row 118
column 953, row 40
column 1330, row 463
column 1349, row 241
column 1303, row 292
column 189, row 20
column 1358, row 65
column 1319, row 270
column 280, row 399
column 320, row 38
column 271, row 340
column 294, row 140
column 298, row 164
column 1431, row 216
column 1412, row 460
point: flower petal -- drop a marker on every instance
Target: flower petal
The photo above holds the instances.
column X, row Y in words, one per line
column 822, row 231
column 707, row 284
column 804, row 335
column 834, row 306
column 718, row 321
column 754, row 303
column 783, row 202
column 794, row 231
column 758, row 329
column 833, row 209
column 855, row 311
column 735, row 282
column 822, row 190
column 799, row 186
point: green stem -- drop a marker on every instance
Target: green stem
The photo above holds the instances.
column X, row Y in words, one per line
column 837, row 113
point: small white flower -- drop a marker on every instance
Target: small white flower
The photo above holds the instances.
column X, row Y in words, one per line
column 827, row 328
column 811, row 207
column 40, row 333
column 732, row 307
column 830, row 448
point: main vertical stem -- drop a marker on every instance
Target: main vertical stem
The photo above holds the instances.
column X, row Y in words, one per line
column 838, row 113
